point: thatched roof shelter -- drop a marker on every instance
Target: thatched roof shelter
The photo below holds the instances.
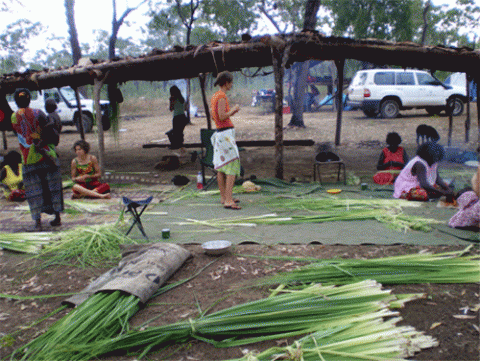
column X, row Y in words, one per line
column 277, row 50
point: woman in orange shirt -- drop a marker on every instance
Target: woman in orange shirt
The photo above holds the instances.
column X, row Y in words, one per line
column 226, row 159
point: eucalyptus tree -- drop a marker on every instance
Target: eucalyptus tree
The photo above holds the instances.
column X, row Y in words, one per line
column 72, row 30
column 309, row 23
column 379, row 19
column 14, row 44
column 450, row 24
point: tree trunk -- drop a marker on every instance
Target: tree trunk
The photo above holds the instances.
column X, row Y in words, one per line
column 72, row 30
column 309, row 23
column 311, row 10
column 301, row 73
column 425, row 23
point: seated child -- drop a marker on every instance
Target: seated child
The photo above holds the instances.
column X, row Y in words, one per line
column 11, row 177
column 85, row 173
column 419, row 179
column 53, row 117
column 392, row 159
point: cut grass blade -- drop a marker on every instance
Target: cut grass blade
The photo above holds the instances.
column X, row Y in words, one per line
column 288, row 314
column 87, row 245
column 448, row 267
column 28, row 242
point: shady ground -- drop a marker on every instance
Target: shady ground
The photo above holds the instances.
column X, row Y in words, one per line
column 448, row 312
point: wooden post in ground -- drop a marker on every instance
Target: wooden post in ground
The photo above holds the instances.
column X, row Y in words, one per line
column 97, row 87
column 467, row 120
column 278, row 71
column 477, row 80
column 80, row 116
column 450, row 106
column 4, row 133
column 202, row 78
column 340, row 64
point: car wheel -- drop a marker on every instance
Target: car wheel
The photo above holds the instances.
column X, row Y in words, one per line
column 370, row 113
column 87, row 121
column 389, row 109
column 457, row 107
column 433, row 110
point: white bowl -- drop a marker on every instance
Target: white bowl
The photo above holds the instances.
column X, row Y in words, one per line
column 216, row 247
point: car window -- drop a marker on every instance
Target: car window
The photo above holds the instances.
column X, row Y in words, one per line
column 427, row 79
column 384, row 78
column 405, row 78
column 359, row 79
column 54, row 95
column 69, row 94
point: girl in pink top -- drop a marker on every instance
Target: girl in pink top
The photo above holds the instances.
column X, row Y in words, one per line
column 419, row 180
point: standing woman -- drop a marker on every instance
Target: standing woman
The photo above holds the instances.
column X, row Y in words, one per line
column 226, row 159
column 179, row 121
column 41, row 166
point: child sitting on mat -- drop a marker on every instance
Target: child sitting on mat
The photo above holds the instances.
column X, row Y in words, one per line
column 11, row 177
column 392, row 159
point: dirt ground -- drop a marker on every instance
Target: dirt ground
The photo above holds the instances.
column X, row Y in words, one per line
column 449, row 312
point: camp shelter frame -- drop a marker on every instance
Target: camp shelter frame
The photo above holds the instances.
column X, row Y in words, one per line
column 279, row 51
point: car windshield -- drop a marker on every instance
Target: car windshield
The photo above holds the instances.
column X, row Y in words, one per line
column 69, row 94
column 427, row 79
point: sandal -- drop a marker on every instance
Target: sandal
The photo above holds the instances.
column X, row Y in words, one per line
column 232, row 206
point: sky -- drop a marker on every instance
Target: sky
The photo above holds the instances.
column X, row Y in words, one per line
column 90, row 15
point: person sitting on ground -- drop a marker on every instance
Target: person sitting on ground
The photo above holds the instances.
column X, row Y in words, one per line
column 391, row 161
column 11, row 177
column 86, row 172
column 419, row 179
column 468, row 215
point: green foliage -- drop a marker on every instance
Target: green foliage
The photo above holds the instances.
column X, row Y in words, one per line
column 233, row 19
column 284, row 15
column 13, row 44
column 381, row 19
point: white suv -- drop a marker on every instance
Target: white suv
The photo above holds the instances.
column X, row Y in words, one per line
column 387, row 91
column 67, row 107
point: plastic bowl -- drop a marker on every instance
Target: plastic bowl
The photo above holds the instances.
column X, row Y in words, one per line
column 216, row 248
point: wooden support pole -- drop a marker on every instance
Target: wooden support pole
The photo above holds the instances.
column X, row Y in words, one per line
column 450, row 106
column 278, row 70
column 340, row 64
column 467, row 120
column 97, row 87
column 4, row 134
column 80, row 115
column 477, row 80
column 202, row 78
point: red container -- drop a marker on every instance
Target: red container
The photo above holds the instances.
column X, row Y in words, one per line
column 286, row 110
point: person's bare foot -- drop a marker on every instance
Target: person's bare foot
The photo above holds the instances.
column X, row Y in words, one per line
column 236, row 200
column 232, row 206
column 106, row 196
